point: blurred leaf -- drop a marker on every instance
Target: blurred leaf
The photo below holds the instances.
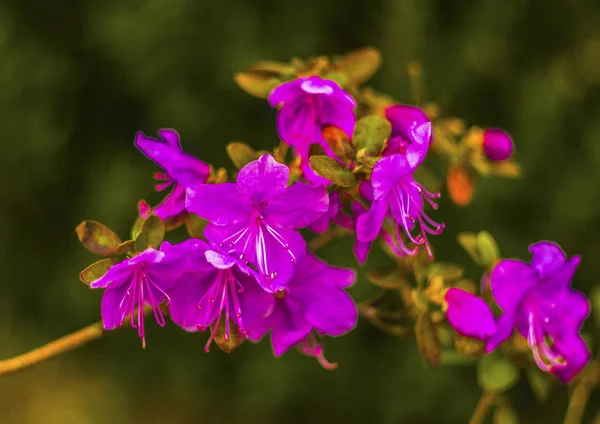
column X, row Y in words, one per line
column 140, row 242
column 331, row 169
column 363, row 157
column 97, row 238
column 460, row 185
column 256, row 82
column 595, row 299
column 339, row 78
column 505, row 414
column 488, row 249
column 496, row 374
column 427, row 340
column 447, row 271
column 507, row 169
column 175, row 222
column 240, row 154
column 386, row 279
column 195, row 226
column 359, row 65
column 540, row 382
column 227, row 341
column 276, row 68
column 97, row 270
column 370, row 134
column 453, row 357
column 468, row 241
column 136, row 228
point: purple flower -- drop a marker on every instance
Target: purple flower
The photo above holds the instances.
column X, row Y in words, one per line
column 537, row 298
column 133, row 283
column 313, row 300
column 497, row 144
column 181, row 169
column 411, row 133
column 214, row 287
column 254, row 219
column 309, row 104
column 395, row 189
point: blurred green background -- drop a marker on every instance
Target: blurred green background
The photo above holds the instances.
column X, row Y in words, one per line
column 78, row 78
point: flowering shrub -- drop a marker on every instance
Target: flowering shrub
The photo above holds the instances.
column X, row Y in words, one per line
column 359, row 167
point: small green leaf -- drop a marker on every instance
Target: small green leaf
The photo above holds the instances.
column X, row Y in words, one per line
column 447, row 271
column 363, row 157
column 505, row 414
column 488, row 249
column 331, row 169
column 257, row 82
column 97, row 270
column 154, row 230
column 468, row 241
column 540, row 382
column 240, row 153
column 427, row 339
column 370, row 134
column 595, row 299
column 140, row 243
column 339, row 78
column 126, row 248
column 136, row 229
column 453, row 357
column 97, row 238
column 496, row 374
column 195, row 226
column 359, row 65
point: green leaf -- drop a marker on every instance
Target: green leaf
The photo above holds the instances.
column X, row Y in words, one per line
column 126, row 248
column 447, row 271
column 540, row 382
column 505, row 414
column 427, row 339
column 496, row 374
column 140, row 243
column 331, row 169
column 338, row 77
column 97, row 270
column 453, row 357
column 363, row 157
column 595, row 299
column 257, row 82
column 97, row 238
column 370, row 134
column 488, row 249
column 154, row 230
column 468, row 241
column 359, row 65
column 195, row 226
column 240, row 153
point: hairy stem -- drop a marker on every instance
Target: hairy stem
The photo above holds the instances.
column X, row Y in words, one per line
column 483, row 407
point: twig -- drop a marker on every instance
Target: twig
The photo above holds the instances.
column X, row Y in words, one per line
column 483, row 407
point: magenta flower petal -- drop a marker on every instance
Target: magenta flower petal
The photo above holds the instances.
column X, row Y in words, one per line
column 171, row 137
column 547, row 257
column 220, row 204
column 321, row 224
column 262, row 179
column 411, row 133
column 505, row 325
column 497, row 144
column 298, row 206
column 290, row 329
column 510, row 280
column 469, row 314
column 368, row 225
column 113, row 317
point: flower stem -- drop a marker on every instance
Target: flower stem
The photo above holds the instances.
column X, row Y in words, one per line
column 58, row 346
column 483, row 407
column 589, row 379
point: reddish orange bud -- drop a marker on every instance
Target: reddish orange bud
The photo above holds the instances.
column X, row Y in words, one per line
column 460, row 185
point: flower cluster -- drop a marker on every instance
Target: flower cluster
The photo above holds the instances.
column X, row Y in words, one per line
column 249, row 268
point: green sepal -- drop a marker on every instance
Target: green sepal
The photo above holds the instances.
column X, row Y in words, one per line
column 496, row 374
column 332, row 170
column 97, row 238
column 151, row 233
column 97, row 270
column 370, row 134
column 234, row 339
column 195, row 226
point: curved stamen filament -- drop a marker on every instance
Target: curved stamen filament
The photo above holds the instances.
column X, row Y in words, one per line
column 543, row 354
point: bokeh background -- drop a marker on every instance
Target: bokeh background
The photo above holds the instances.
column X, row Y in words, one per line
column 79, row 78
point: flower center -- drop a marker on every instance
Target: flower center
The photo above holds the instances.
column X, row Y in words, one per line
column 544, row 350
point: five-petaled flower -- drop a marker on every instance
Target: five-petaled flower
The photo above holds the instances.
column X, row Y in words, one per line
column 538, row 300
column 181, row 169
column 254, row 219
column 395, row 189
column 133, row 283
column 307, row 105
column 215, row 286
column 314, row 300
